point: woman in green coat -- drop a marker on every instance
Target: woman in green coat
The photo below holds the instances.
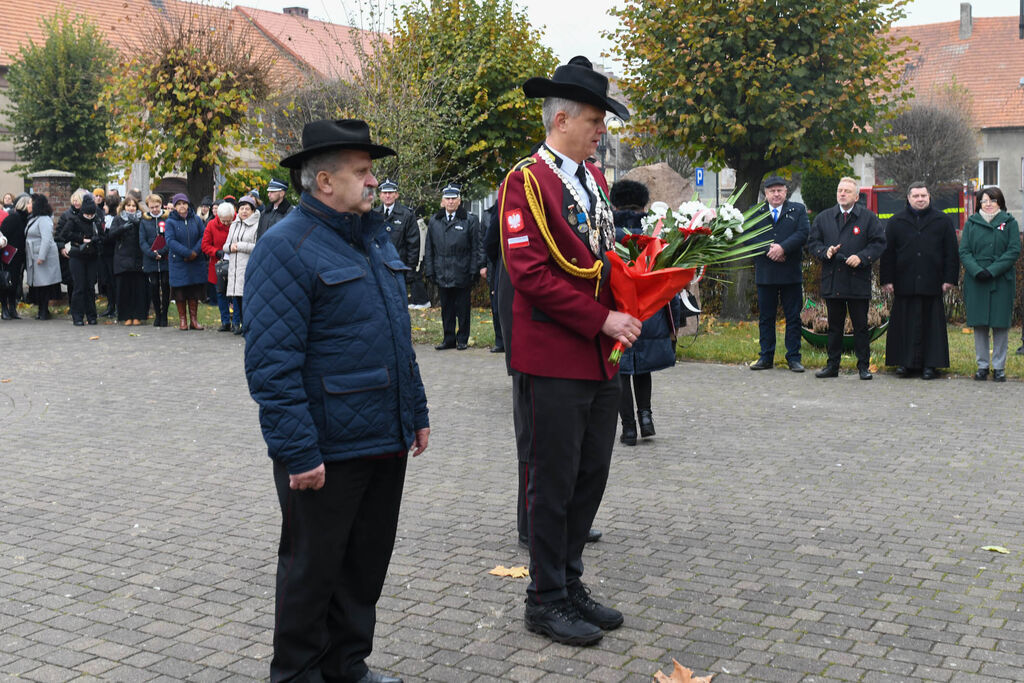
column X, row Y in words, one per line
column 989, row 247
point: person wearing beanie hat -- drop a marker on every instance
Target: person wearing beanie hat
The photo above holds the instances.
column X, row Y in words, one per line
column 187, row 267
column 402, row 228
column 276, row 208
column 453, row 257
column 239, row 244
column 81, row 231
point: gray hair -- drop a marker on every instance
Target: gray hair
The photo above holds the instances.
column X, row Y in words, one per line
column 553, row 105
column 325, row 161
column 22, row 203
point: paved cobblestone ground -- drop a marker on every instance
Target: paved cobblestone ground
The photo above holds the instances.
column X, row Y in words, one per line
column 778, row 528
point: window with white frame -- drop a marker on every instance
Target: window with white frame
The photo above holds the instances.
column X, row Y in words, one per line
column 988, row 172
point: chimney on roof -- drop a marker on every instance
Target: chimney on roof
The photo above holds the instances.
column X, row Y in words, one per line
column 966, row 22
column 304, row 13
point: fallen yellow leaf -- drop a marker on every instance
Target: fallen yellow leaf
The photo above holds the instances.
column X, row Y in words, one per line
column 873, row 368
column 966, row 330
column 996, row 549
column 511, row 572
column 680, row 674
column 5, row 381
column 94, row 338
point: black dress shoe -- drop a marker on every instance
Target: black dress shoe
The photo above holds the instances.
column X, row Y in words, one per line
column 828, row 371
column 597, row 614
column 226, row 327
column 374, row 677
column 901, row 371
column 864, row 373
column 796, row 366
column 79, row 323
column 461, row 347
column 628, row 435
column 999, row 375
column 646, row 422
column 524, row 543
column 929, row 373
column 92, row 321
column 593, row 536
column 761, row 364
column 444, row 346
column 1020, row 351
column 561, row 622
column 981, row 375
column 497, row 349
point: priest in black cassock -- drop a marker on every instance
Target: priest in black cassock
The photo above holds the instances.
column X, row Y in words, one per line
column 919, row 265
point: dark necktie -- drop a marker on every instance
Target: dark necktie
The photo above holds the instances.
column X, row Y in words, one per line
column 450, row 217
column 387, row 213
column 846, row 217
column 581, row 173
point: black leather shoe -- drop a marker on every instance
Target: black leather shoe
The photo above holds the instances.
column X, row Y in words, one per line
column 226, row 327
column 628, row 435
column 981, row 375
column 593, row 536
column 461, row 347
column 597, row 614
column 1020, row 351
column 444, row 346
column 374, row 677
column 761, row 364
column 646, row 422
column 524, row 543
column 796, row 366
column 79, row 323
column 497, row 349
column 929, row 373
column 91, row 321
column 865, row 374
column 562, row 623
column 828, row 371
column 901, row 371
column 999, row 375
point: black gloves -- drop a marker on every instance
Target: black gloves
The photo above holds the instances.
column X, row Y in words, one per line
column 983, row 275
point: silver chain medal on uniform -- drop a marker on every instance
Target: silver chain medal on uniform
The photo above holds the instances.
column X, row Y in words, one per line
column 601, row 231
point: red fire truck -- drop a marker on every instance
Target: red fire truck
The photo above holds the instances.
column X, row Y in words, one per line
column 885, row 200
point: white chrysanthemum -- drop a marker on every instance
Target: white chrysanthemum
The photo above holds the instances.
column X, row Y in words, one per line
column 659, row 209
column 728, row 234
column 730, row 213
column 690, row 209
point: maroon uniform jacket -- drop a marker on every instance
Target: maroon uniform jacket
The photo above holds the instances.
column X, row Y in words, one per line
column 560, row 304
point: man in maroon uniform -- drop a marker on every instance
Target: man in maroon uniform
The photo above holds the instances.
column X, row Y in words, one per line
column 556, row 225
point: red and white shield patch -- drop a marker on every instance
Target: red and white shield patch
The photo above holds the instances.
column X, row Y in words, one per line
column 514, row 220
column 856, row 230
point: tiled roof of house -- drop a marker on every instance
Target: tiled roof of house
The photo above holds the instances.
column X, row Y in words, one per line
column 301, row 44
column 990, row 64
column 332, row 50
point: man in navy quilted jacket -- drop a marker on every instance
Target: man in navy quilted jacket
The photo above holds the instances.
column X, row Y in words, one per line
column 329, row 360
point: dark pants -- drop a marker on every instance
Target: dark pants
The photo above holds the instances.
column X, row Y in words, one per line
column 160, row 293
column 565, row 431
column 455, row 306
column 335, row 548
column 83, row 297
column 132, row 302
column 643, row 385
column 105, row 279
column 768, row 299
column 492, row 287
column 417, row 288
column 858, row 309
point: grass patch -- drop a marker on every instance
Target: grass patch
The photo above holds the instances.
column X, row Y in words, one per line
column 736, row 342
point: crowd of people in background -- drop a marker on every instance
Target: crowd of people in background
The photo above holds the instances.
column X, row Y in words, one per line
column 139, row 253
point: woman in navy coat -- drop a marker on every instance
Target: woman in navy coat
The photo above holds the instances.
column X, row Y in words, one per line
column 188, row 268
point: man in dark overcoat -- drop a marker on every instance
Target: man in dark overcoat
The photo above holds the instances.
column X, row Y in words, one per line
column 400, row 225
column 451, row 258
column 847, row 238
column 276, row 208
column 556, row 225
column 778, row 274
column 920, row 264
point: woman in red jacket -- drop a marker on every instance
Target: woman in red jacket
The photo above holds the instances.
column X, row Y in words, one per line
column 213, row 246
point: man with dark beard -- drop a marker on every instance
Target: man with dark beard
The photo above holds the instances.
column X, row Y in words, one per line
column 919, row 264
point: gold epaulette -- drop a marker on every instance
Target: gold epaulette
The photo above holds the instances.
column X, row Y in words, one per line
column 524, row 163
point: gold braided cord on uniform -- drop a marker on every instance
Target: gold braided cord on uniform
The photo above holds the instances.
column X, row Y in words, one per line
column 536, row 204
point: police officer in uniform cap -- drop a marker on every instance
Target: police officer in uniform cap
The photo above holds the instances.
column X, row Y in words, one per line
column 400, row 224
column 556, row 225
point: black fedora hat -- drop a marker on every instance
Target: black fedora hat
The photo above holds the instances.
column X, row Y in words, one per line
column 320, row 136
column 579, row 82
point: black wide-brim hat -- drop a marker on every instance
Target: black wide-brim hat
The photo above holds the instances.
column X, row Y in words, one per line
column 320, row 136
column 579, row 82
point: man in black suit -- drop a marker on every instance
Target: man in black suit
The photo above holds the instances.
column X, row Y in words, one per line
column 847, row 239
column 400, row 224
column 778, row 275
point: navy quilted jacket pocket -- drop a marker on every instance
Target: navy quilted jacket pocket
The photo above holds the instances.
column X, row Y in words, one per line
column 356, row 404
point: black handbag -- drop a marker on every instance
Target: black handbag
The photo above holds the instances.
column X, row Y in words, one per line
column 6, row 280
column 221, row 270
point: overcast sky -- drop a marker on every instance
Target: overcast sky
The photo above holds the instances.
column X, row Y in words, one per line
column 573, row 27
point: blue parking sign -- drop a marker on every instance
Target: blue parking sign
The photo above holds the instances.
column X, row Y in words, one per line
column 699, row 172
